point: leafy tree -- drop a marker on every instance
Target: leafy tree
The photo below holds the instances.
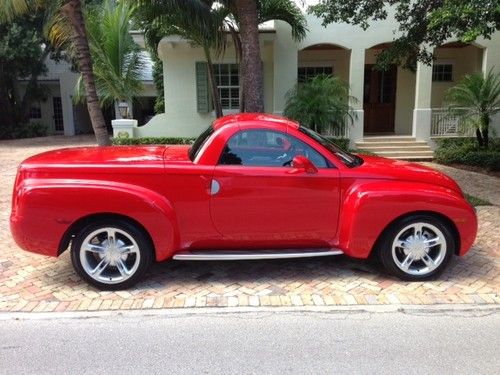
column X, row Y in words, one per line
column 320, row 102
column 61, row 13
column 117, row 59
column 23, row 50
column 475, row 100
column 422, row 22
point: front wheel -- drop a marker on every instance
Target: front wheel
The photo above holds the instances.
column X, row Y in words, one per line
column 111, row 255
column 416, row 248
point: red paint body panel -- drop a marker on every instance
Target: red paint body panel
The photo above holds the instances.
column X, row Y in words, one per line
column 255, row 207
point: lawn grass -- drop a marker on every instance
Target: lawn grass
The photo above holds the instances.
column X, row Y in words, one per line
column 475, row 201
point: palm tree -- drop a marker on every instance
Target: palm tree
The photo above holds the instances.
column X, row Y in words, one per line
column 196, row 21
column 205, row 22
column 67, row 11
column 474, row 101
column 267, row 10
column 320, row 103
column 117, row 59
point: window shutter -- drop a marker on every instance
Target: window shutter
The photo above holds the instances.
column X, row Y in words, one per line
column 203, row 104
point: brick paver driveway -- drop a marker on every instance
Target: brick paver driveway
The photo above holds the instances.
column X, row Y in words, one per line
column 30, row 282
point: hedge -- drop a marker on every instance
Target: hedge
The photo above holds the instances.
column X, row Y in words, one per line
column 466, row 151
column 343, row 143
column 153, row 141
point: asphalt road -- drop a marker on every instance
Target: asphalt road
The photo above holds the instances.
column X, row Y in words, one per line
column 255, row 343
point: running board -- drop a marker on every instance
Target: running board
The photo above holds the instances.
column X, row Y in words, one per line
column 254, row 254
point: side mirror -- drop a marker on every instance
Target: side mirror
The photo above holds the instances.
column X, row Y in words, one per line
column 302, row 164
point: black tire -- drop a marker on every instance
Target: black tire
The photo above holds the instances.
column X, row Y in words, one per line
column 118, row 252
column 425, row 259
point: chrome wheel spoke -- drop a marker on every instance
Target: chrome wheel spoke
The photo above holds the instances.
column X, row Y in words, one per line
column 111, row 237
column 418, row 228
column 429, row 262
column 408, row 261
column 103, row 264
column 98, row 249
column 122, row 268
column 128, row 249
column 434, row 241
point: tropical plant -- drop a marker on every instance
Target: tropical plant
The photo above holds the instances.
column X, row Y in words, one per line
column 474, row 101
column 320, row 103
column 117, row 59
column 60, row 15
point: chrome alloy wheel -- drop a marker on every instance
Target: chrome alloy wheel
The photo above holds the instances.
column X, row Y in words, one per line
column 109, row 255
column 419, row 248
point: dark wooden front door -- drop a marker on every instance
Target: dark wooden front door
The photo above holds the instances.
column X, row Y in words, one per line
column 379, row 99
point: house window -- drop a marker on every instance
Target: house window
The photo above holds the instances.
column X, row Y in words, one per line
column 442, row 72
column 228, row 84
column 35, row 110
column 308, row 72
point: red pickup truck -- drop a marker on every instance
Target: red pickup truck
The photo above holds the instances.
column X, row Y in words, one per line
column 252, row 186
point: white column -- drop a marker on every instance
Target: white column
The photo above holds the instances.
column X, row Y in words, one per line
column 285, row 65
column 422, row 113
column 67, row 82
column 356, row 84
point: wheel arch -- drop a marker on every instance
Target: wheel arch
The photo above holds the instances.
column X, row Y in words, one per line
column 437, row 215
column 82, row 222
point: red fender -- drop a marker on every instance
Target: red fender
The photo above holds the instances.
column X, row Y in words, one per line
column 370, row 207
column 52, row 212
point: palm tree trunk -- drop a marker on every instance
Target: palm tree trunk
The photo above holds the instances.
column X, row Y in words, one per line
column 213, row 84
column 72, row 10
column 253, row 91
column 485, row 123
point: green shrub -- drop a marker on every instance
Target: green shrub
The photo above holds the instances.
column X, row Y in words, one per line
column 31, row 130
column 153, row 141
column 466, row 151
column 343, row 143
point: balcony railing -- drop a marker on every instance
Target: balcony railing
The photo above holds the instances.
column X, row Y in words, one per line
column 444, row 124
column 334, row 131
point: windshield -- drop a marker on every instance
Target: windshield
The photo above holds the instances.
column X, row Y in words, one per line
column 200, row 141
column 347, row 158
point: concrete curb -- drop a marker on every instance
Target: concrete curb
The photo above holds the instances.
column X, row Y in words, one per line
column 172, row 313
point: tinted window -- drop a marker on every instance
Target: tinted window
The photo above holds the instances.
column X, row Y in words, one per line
column 347, row 158
column 268, row 149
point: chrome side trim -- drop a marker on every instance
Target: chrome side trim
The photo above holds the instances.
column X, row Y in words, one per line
column 254, row 254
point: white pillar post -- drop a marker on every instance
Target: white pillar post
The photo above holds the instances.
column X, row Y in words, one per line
column 285, row 65
column 356, row 84
column 124, row 128
column 67, row 82
column 422, row 113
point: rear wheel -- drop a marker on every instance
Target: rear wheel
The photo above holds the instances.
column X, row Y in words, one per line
column 111, row 255
column 417, row 247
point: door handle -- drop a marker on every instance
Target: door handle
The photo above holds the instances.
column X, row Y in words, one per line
column 214, row 187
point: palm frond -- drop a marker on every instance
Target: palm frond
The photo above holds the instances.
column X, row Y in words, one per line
column 287, row 11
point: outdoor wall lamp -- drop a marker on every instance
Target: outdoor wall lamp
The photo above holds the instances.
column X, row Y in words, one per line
column 123, row 108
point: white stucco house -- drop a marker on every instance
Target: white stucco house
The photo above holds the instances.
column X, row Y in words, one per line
column 399, row 107
column 398, row 104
